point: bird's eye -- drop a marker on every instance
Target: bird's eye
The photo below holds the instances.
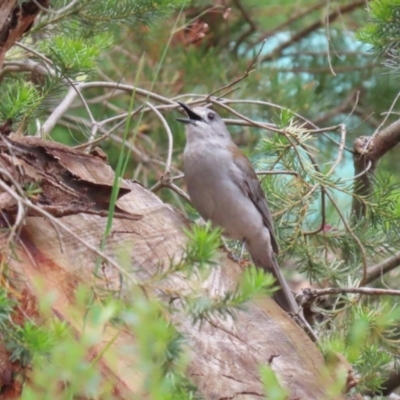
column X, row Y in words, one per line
column 211, row 116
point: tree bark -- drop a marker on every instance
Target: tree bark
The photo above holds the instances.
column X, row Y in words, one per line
column 226, row 354
column 368, row 150
column 15, row 20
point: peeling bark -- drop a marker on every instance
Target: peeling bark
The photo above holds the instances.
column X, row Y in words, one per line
column 62, row 182
column 15, row 20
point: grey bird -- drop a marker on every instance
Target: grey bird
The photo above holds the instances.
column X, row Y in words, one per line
column 224, row 189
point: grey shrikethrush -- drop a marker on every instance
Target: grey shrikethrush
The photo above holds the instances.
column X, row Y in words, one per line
column 225, row 190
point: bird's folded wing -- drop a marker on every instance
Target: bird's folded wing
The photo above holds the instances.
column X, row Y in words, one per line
column 247, row 179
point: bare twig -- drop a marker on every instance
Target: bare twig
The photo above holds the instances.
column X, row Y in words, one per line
column 278, row 172
column 386, row 116
column 248, row 19
column 324, row 70
column 56, row 12
column 109, row 132
column 328, row 35
column 302, row 13
column 34, row 52
column 248, row 71
column 54, row 117
column 169, row 135
column 353, row 235
column 341, row 149
column 382, row 268
column 358, row 290
column 178, row 190
column 342, row 107
column 314, row 26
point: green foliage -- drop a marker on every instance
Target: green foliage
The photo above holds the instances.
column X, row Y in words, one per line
column 74, row 56
column 366, row 336
column 72, row 48
column 19, row 100
column 66, row 360
column 253, row 282
column 272, row 387
column 284, row 119
column 94, row 16
column 198, row 262
column 202, row 245
column 6, row 307
column 383, row 31
column 160, row 351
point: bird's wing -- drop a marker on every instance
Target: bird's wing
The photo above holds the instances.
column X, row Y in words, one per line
column 248, row 181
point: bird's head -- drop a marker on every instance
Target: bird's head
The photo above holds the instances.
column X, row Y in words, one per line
column 204, row 124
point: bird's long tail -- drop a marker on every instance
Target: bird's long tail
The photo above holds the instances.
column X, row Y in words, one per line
column 267, row 261
column 283, row 296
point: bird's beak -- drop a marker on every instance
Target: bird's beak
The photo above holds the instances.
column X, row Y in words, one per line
column 191, row 114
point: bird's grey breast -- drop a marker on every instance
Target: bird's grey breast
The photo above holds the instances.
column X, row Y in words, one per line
column 205, row 167
column 211, row 179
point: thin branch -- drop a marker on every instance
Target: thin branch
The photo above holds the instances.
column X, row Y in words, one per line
column 278, row 172
column 169, row 135
column 386, row 116
column 324, row 70
column 178, row 190
column 359, row 290
column 363, row 172
column 313, row 27
column 248, row 120
column 248, row 71
column 382, row 268
column 109, row 132
column 248, row 19
column 341, row 108
column 367, row 153
column 341, row 149
column 34, row 52
column 354, row 236
column 60, row 110
column 56, row 12
column 302, row 13
column 328, row 35
column 245, row 14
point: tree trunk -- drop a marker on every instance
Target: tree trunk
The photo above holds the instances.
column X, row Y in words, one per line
column 226, row 354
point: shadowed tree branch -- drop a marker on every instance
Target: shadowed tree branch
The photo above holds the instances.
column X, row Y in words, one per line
column 313, row 27
column 367, row 153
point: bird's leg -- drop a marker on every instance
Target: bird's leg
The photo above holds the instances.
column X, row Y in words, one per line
column 242, row 249
column 231, row 254
column 303, row 323
column 228, row 249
